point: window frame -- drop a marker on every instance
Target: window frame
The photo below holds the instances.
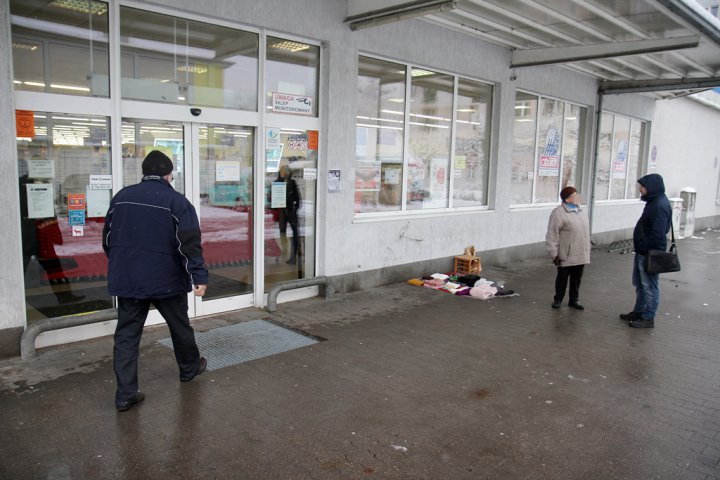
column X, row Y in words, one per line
column 361, row 217
column 641, row 160
column 582, row 159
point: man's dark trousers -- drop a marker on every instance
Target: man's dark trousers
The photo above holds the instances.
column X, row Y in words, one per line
column 575, row 273
column 132, row 313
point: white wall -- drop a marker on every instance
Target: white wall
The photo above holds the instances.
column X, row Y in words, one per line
column 686, row 134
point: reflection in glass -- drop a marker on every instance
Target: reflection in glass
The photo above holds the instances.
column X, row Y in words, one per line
column 602, row 180
column 550, row 123
column 472, row 143
column 140, row 138
column 429, row 139
column 290, row 191
column 621, row 147
column 62, row 214
column 60, row 46
column 379, row 135
column 292, row 68
column 226, row 213
column 572, row 149
column 636, row 135
column 523, row 155
column 173, row 60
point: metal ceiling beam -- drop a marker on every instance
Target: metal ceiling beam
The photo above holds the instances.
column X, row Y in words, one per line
column 637, row 86
column 473, row 31
column 396, row 13
column 696, row 17
column 548, row 56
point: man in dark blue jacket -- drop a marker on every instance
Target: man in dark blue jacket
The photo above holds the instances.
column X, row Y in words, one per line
column 650, row 234
column 152, row 240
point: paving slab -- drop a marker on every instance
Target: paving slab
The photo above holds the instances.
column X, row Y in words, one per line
column 409, row 383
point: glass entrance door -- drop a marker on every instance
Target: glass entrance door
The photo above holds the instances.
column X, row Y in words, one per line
column 214, row 170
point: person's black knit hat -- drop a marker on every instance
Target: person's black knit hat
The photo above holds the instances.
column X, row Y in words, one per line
column 566, row 192
column 157, row 163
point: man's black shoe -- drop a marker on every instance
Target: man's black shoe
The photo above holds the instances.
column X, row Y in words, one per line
column 125, row 406
column 630, row 316
column 555, row 304
column 200, row 370
column 576, row 306
column 643, row 323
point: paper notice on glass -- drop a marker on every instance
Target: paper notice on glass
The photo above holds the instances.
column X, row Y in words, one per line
column 459, row 162
column 227, row 171
column 98, row 202
column 40, row 200
column 278, row 195
column 309, row 173
column 41, row 168
column 101, row 182
column 78, row 231
column 334, row 185
column 392, row 176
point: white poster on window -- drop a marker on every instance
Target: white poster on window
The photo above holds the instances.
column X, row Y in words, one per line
column 278, row 195
column 549, row 165
column 41, row 168
column 392, row 176
column 286, row 103
column 620, row 163
column 101, row 182
column 438, row 181
column 309, row 173
column 98, row 202
column 40, row 200
column 227, row 171
column 333, row 180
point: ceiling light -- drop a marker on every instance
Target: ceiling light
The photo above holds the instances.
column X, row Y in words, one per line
column 396, row 100
column 290, row 46
column 25, row 46
column 82, row 6
column 394, row 112
column 69, row 87
column 419, row 72
column 465, row 110
column 35, row 84
column 192, row 69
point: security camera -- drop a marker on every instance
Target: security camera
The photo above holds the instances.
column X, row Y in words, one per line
column 196, row 112
column 513, row 76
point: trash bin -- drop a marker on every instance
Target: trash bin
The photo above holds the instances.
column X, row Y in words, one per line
column 677, row 206
column 687, row 219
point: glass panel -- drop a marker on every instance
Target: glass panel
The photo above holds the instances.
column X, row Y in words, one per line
column 550, row 128
column 636, row 140
column 62, row 213
column 379, row 135
column 291, row 76
column 140, row 138
column 290, row 191
column 472, row 143
column 226, row 213
column 60, row 46
column 173, row 60
column 621, row 140
column 431, row 95
column 572, row 152
column 523, row 156
column 602, row 181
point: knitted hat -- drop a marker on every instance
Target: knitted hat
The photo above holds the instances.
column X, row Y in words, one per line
column 157, row 163
column 566, row 192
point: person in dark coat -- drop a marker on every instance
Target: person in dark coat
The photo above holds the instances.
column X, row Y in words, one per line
column 650, row 234
column 152, row 240
column 289, row 214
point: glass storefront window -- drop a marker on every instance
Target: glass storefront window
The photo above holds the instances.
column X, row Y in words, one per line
column 173, row 60
column 290, row 193
column 291, row 77
column 620, row 156
column 429, row 134
column 65, row 180
column 60, row 46
column 142, row 137
column 379, row 135
column 472, row 143
column 523, row 156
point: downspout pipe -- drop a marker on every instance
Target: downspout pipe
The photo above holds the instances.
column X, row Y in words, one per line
column 27, row 341
column 595, row 160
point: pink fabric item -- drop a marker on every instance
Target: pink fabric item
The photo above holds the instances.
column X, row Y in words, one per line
column 483, row 292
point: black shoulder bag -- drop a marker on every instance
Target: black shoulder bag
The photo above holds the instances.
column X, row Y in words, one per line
column 660, row 261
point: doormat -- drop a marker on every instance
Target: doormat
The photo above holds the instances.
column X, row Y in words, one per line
column 243, row 342
column 77, row 301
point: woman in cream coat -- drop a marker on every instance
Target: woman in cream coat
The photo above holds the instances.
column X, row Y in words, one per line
column 568, row 243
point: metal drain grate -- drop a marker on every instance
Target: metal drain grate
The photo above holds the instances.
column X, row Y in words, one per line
column 234, row 344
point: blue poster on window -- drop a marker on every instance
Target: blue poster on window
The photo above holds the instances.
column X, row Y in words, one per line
column 76, row 217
